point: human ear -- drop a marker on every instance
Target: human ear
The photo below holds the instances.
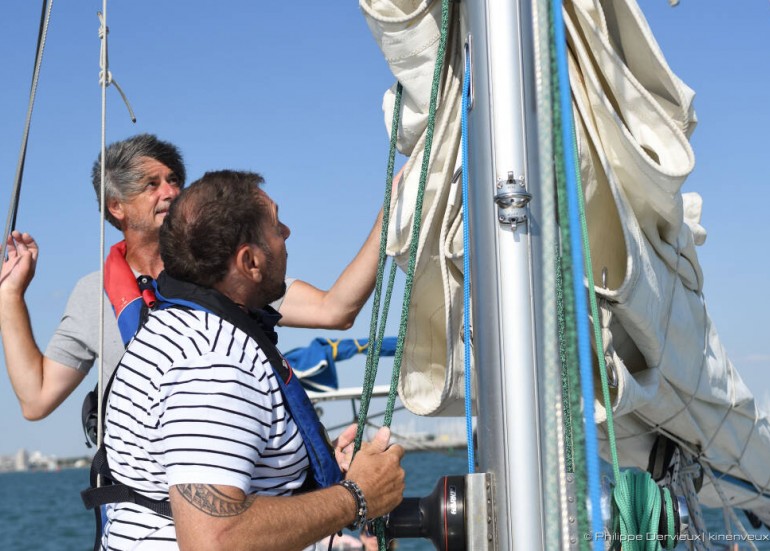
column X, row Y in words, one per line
column 116, row 209
column 250, row 261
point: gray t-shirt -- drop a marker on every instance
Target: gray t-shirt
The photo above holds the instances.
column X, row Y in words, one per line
column 76, row 341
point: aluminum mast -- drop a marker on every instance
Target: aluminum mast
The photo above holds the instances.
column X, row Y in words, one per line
column 505, row 275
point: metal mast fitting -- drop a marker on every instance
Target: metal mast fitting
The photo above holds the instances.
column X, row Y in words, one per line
column 512, row 198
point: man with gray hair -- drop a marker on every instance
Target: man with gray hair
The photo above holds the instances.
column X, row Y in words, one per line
column 143, row 176
column 204, row 413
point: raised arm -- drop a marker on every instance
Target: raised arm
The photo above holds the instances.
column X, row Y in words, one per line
column 211, row 517
column 307, row 306
column 40, row 383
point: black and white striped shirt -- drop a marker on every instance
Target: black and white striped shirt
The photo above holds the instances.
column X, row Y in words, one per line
column 195, row 400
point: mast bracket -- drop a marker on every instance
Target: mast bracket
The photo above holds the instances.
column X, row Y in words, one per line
column 512, row 198
column 480, row 512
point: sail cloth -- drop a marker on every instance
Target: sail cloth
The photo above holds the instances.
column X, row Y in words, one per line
column 633, row 118
column 431, row 381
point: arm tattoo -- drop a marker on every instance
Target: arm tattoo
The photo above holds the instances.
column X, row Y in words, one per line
column 206, row 498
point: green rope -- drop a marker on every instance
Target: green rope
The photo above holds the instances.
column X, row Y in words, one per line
column 574, row 435
column 638, row 502
column 371, row 370
column 417, row 221
column 373, row 352
column 596, row 321
column 555, row 453
column 393, row 391
column 565, row 380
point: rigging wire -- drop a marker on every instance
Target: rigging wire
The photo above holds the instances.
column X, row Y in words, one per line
column 105, row 80
column 105, row 75
column 727, row 510
column 10, row 224
column 103, row 64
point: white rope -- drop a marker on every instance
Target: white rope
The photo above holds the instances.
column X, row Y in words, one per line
column 683, row 472
column 104, row 78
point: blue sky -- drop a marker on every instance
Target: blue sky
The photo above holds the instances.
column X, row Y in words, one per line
column 293, row 91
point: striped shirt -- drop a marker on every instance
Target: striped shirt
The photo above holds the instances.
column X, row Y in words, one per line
column 195, row 401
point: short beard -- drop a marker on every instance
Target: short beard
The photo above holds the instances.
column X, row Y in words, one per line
column 278, row 294
column 272, row 296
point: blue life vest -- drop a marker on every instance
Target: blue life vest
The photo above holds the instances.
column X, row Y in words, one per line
column 260, row 325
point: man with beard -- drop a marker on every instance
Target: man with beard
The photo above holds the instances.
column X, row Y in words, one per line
column 204, row 413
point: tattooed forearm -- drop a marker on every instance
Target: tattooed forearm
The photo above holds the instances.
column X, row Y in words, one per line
column 211, row 501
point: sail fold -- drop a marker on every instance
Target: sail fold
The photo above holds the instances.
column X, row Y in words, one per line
column 432, row 373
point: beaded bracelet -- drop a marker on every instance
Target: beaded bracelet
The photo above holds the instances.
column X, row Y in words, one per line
column 358, row 495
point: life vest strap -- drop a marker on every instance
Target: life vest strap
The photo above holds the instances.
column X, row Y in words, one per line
column 114, row 492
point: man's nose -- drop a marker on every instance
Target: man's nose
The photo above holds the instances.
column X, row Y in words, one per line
column 285, row 231
column 169, row 190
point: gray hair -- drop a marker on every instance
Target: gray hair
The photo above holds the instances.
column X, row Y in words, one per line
column 122, row 172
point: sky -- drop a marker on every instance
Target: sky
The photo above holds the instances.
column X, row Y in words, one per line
column 293, row 91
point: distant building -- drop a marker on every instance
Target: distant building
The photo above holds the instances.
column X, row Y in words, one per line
column 38, row 461
column 22, row 460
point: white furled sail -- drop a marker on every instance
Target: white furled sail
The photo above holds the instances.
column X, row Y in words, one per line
column 408, row 33
column 633, row 118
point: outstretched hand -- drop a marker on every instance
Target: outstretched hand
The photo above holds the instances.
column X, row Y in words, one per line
column 19, row 269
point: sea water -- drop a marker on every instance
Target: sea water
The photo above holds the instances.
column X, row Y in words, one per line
column 43, row 511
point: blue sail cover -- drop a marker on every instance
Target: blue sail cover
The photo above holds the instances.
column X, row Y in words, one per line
column 315, row 365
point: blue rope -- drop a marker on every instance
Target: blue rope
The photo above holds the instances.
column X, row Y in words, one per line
column 581, row 309
column 467, row 271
